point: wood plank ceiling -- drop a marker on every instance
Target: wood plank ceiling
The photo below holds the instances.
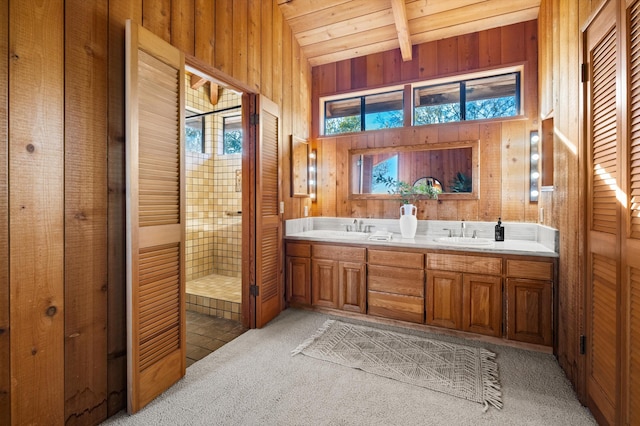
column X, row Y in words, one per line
column 333, row 30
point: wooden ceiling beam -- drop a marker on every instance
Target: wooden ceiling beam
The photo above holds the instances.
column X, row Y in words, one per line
column 197, row 81
column 402, row 28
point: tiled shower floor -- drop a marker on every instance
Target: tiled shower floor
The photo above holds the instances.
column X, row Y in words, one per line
column 215, row 295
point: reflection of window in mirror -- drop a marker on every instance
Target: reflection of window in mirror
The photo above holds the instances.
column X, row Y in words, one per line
column 232, row 134
column 385, row 173
column 194, row 131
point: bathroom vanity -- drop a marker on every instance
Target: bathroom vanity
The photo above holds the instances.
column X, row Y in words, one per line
column 504, row 290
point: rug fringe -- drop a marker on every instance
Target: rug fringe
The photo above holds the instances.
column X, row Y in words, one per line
column 491, row 384
column 302, row 346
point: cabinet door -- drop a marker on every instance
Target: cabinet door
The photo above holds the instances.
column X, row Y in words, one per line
column 529, row 311
column 299, row 280
column 325, row 280
column 353, row 287
column 482, row 304
column 444, row 299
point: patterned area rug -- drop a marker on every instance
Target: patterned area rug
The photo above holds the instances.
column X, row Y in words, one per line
column 462, row 371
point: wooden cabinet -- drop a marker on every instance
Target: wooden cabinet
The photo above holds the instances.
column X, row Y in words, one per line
column 460, row 296
column 339, row 277
column 298, row 279
column 529, row 301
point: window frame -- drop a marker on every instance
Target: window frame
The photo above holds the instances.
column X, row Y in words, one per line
column 411, row 86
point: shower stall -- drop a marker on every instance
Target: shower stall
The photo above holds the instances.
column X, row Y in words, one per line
column 214, row 200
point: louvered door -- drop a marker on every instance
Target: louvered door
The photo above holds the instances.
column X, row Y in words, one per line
column 270, row 292
column 631, row 246
column 156, row 347
column 603, row 213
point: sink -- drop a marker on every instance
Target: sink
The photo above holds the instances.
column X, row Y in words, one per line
column 465, row 241
column 329, row 233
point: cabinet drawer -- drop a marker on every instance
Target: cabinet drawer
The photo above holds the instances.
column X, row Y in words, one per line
column 405, row 308
column 401, row 259
column 465, row 264
column 298, row 249
column 409, row 282
column 347, row 254
column 530, row 269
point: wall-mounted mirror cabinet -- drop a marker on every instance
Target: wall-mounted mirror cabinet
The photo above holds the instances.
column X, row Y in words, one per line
column 299, row 167
column 451, row 167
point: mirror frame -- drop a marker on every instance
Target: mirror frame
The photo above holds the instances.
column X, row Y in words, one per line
column 299, row 167
column 475, row 169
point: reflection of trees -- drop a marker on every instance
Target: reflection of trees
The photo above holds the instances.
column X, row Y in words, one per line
column 193, row 139
column 491, row 108
column 232, row 141
column 349, row 124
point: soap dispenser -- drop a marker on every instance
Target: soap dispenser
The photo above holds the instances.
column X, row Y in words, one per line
column 499, row 231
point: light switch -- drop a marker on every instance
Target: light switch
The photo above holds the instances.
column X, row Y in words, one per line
column 281, row 207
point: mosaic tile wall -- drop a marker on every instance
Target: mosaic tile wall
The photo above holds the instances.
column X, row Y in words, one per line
column 213, row 239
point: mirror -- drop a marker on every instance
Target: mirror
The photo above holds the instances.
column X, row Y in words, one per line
column 299, row 167
column 451, row 167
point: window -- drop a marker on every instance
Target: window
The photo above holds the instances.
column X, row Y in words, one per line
column 473, row 99
column 194, row 134
column 367, row 112
column 384, row 174
column 232, row 134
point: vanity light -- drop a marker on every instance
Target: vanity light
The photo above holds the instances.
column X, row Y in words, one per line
column 534, row 160
column 312, row 174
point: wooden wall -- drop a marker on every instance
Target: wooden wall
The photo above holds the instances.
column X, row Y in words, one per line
column 504, row 144
column 63, row 348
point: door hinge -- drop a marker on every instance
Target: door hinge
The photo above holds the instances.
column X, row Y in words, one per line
column 254, row 119
column 254, row 290
column 585, row 73
column 583, row 344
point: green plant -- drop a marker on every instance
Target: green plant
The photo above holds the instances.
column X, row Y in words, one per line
column 411, row 193
column 461, row 183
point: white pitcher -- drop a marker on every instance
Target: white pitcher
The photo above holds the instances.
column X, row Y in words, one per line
column 408, row 220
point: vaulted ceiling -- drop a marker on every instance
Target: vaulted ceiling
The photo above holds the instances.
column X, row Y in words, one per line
column 333, row 30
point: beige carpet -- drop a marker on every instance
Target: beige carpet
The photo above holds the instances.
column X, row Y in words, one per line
column 254, row 380
column 458, row 370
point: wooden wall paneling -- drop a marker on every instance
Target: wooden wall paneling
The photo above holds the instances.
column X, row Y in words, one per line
column 119, row 12
column 409, row 69
column 468, row 210
column 276, row 45
column 254, row 44
column 36, row 211
column 204, row 30
column 391, row 71
column 490, row 47
column 293, row 206
column 427, row 60
column 358, row 72
column 5, row 353
column 300, row 129
column 327, row 184
column 513, row 43
column 341, row 177
column 490, row 202
column 468, row 51
column 448, row 133
column 343, row 75
column 266, row 70
column 224, row 36
column 375, row 69
column 448, row 210
column 447, row 55
column 514, row 189
column 85, row 366
column 304, row 113
column 239, row 40
column 156, row 17
column 183, row 25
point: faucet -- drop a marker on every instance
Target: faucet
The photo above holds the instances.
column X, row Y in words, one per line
column 356, row 225
column 462, row 227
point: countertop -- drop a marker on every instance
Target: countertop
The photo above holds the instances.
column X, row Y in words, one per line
column 514, row 247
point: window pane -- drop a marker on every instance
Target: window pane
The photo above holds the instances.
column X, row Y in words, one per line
column 194, row 134
column 342, row 116
column 492, row 97
column 383, row 111
column 232, row 134
column 384, row 175
column 437, row 104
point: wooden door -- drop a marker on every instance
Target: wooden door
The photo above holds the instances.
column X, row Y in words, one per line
column 603, row 214
column 156, row 347
column 325, row 283
column 353, row 287
column 631, row 241
column 482, row 304
column 529, row 311
column 444, row 299
column 269, row 286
